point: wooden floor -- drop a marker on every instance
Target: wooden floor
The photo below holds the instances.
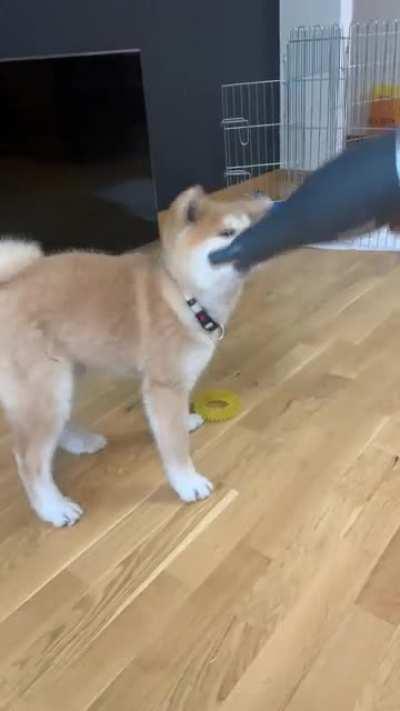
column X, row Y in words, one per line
column 282, row 591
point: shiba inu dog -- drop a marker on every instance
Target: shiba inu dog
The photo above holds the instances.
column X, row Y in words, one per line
column 159, row 318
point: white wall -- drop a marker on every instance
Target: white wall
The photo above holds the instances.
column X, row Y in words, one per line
column 373, row 10
column 294, row 13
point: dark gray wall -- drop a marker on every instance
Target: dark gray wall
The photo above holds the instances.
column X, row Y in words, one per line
column 189, row 49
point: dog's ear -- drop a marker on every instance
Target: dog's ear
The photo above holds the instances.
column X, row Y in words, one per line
column 192, row 211
column 257, row 206
column 189, row 204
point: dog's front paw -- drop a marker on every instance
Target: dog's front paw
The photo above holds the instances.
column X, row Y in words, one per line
column 191, row 486
column 195, row 421
column 57, row 509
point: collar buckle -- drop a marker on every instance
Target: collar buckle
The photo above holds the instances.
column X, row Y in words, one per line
column 204, row 319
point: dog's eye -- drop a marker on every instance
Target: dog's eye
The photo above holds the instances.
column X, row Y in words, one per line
column 227, row 233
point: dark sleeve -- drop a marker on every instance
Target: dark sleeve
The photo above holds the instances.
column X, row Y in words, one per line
column 359, row 186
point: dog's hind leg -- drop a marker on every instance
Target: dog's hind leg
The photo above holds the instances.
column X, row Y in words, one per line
column 38, row 410
column 77, row 440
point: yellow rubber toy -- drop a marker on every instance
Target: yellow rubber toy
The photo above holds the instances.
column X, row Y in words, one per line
column 217, row 405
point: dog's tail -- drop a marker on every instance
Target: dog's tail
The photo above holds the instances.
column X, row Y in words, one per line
column 15, row 256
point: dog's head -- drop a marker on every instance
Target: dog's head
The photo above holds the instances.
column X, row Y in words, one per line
column 197, row 225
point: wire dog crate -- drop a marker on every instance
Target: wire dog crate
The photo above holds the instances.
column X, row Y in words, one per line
column 336, row 88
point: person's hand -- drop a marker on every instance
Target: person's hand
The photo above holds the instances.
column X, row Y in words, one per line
column 251, row 246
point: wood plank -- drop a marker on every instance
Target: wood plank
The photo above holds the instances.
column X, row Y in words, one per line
column 381, row 690
column 347, row 660
column 109, row 653
column 271, row 680
column 381, row 593
column 113, row 582
column 153, row 677
column 264, row 596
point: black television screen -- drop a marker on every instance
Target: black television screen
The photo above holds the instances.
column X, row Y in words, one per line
column 75, row 169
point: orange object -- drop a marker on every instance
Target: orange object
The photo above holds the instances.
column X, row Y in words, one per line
column 385, row 106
